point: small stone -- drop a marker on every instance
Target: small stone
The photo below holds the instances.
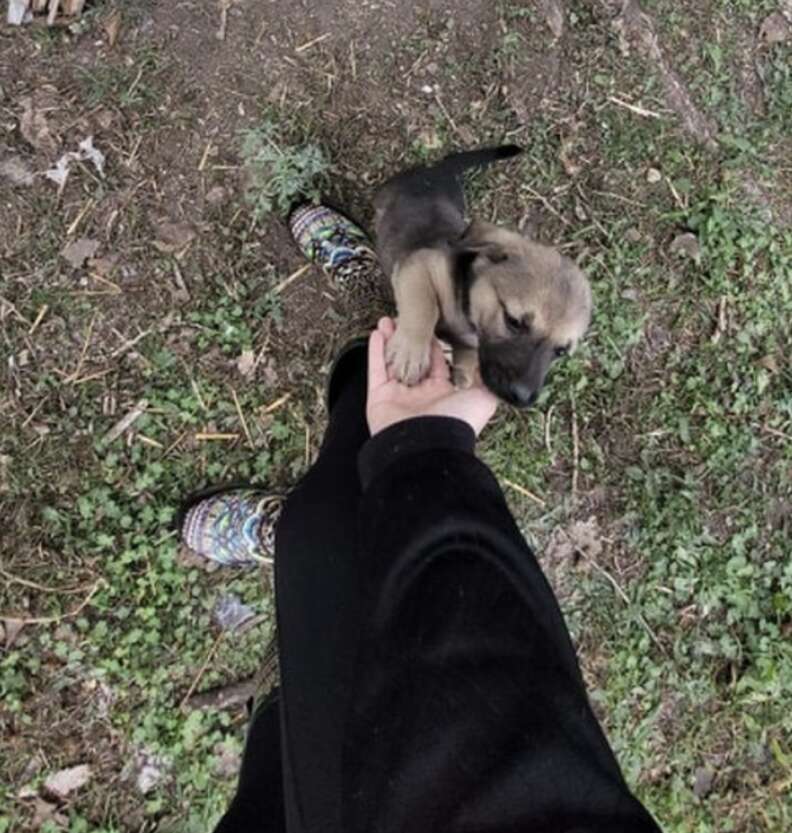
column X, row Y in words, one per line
column 630, row 295
column 653, row 176
column 686, row 244
column 632, row 235
column 427, row 89
column 703, row 780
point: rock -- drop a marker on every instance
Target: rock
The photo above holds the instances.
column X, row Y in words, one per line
column 702, row 782
column 61, row 784
column 33, row 124
column 653, row 176
column 79, row 251
column 686, row 244
column 774, row 29
column 632, row 235
column 11, row 630
column 45, row 812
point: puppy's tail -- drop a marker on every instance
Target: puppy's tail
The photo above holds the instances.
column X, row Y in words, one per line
column 456, row 163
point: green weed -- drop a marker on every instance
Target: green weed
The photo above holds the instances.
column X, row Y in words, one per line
column 280, row 173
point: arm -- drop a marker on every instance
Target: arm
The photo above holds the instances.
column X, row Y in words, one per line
column 468, row 710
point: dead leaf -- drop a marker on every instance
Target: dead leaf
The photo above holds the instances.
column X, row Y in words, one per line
column 774, row 29
column 45, row 812
column 61, row 784
column 112, row 27
column 173, row 237
column 12, row 628
column 103, row 266
column 686, row 244
column 80, row 250
column 185, row 557
column 246, row 363
column 554, row 16
column 14, row 169
column 769, row 363
column 34, row 126
column 703, row 780
column 586, row 538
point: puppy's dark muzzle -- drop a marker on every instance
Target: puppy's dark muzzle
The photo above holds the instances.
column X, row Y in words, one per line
column 508, row 388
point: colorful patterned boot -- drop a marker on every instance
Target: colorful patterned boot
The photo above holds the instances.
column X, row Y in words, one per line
column 232, row 527
column 340, row 247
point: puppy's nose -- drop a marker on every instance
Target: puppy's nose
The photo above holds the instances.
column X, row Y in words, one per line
column 521, row 395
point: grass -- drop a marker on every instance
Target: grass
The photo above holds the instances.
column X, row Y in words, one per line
column 680, row 397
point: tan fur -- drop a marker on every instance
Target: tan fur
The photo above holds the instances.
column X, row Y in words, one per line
column 508, row 306
column 536, row 282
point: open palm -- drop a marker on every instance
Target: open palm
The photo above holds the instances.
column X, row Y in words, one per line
column 390, row 401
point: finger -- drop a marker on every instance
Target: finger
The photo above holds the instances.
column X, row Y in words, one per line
column 387, row 327
column 377, row 372
column 439, row 368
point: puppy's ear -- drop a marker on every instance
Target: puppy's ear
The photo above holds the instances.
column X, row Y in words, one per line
column 477, row 242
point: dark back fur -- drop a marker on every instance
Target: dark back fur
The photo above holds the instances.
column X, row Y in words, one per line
column 424, row 207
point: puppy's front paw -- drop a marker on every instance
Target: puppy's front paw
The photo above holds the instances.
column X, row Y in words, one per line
column 409, row 357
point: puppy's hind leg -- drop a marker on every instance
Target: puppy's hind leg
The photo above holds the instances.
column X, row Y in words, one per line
column 409, row 350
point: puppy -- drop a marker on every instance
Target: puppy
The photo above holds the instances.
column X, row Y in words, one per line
column 507, row 306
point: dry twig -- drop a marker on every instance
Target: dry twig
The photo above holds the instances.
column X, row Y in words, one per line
column 524, row 492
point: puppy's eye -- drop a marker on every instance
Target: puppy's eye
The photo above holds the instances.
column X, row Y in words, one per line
column 561, row 351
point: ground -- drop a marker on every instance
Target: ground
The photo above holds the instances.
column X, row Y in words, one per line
column 156, row 338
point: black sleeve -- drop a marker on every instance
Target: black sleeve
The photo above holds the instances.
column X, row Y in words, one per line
column 470, row 713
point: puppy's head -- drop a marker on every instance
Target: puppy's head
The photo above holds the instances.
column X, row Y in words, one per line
column 529, row 305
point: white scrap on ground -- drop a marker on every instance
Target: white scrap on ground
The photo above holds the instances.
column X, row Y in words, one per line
column 19, row 12
column 85, row 151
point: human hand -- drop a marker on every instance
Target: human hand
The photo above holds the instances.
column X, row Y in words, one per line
column 389, row 401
